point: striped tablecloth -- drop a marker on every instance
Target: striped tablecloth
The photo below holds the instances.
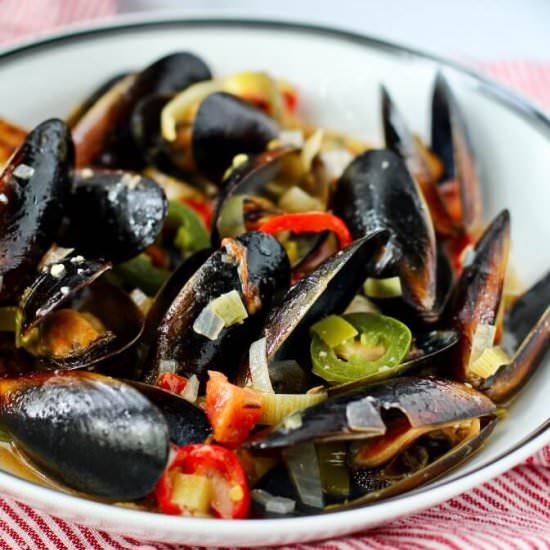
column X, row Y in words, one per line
column 510, row 512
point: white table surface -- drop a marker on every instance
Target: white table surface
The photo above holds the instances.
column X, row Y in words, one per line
column 482, row 29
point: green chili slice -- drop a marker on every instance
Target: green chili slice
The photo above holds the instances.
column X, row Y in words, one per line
column 381, row 343
column 141, row 273
column 191, row 234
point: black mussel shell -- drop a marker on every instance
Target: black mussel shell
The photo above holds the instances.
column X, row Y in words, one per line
column 114, row 214
column 163, row 300
column 377, row 192
column 71, row 286
column 268, row 272
column 452, row 144
column 328, row 289
column 102, row 135
column 93, row 433
column 173, row 73
column 226, row 126
column 525, row 312
column 373, row 486
column 526, row 338
column 401, row 141
column 56, row 284
column 34, row 187
column 477, row 295
column 186, row 423
column 358, row 414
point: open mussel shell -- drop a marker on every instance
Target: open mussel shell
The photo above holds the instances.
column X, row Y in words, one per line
column 114, row 214
column 360, row 414
column 102, row 134
column 72, row 283
column 476, row 298
column 162, row 301
column 34, row 186
column 173, row 73
column 256, row 266
column 251, row 178
column 225, row 126
column 374, row 485
column 377, row 192
column 452, row 144
column 526, row 338
column 429, row 347
column 401, row 141
column 186, row 422
column 328, row 289
column 94, row 434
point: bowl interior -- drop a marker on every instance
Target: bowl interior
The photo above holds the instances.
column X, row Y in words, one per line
column 338, row 80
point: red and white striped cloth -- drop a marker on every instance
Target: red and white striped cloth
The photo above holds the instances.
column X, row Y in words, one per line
column 511, row 512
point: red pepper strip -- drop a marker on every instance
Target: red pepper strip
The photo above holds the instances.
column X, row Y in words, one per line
column 290, row 99
column 232, row 411
column 309, row 222
column 231, row 497
column 202, row 208
column 172, row 382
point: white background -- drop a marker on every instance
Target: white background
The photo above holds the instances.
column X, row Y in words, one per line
column 482, row 29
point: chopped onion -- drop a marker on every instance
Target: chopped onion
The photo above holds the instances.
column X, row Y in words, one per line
column 303, row 467
column 484, row 337
column 383, row 288
column 311, row 148
column 230, row 308
column 259, row 372
column 167, row 365
column 191, row 390
column 141, row 300
column 295, row 200
column 292, row 138
column 490, row 360
column 272, row 503
column 278, row 406
column 336, row 161
column 208, row 323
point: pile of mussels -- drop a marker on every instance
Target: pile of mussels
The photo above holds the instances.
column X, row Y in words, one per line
column 368, row 300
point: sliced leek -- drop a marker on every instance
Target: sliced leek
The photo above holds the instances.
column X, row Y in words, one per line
column 278, row 406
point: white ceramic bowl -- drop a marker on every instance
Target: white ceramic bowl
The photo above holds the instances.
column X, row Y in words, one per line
column 338, row 75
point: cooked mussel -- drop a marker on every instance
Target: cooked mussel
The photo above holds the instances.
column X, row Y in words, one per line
column 254, row 269
column 428, row 458
column 69, row 319
column 423, row 165
column 102, row 134
column 33, row 191
column 113, row 214
column 526, row 340
column 477, row 296
column 452, row 144
column 377, row 192
column 225, row 126
column 418, row 404
column 92, row 433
